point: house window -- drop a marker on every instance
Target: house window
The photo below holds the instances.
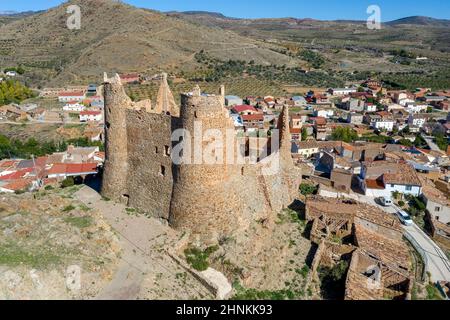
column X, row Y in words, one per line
column 156, row 149
column 163, row 171
column 408, row 188
column 392, row 185
column 437, row 209
column 167, row 151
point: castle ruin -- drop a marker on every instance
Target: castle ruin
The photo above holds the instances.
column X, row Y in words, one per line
column 209, row 200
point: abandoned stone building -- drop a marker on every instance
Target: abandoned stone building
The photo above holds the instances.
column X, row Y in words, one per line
column 209, row 200
column 380, row 264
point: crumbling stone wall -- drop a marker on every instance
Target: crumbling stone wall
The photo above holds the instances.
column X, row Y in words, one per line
column 149, row 178
column 208, row 200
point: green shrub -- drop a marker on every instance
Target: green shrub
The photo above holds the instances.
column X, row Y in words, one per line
column 79, row 222
column 68, row 182
column 68, row 208
column 197, row 258
column 307, row 189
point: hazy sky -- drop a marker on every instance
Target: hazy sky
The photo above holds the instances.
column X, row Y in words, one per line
column 318, row 9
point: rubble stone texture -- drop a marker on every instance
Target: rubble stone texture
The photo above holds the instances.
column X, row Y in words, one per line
column 208, row 200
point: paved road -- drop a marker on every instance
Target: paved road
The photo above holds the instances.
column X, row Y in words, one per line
column 437, row 263
column 430, row 142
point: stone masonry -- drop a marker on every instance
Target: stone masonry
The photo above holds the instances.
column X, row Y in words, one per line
column 206, row 200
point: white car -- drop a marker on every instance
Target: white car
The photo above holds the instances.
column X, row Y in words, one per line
column 405, row 218
column 385, row 201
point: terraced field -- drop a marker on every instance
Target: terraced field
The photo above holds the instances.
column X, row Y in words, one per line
column 241, row 87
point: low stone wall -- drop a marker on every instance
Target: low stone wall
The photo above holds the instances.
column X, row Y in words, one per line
column 315, row 263
column 212, row 287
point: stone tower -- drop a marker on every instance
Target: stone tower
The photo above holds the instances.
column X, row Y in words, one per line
column 285, row 137
column 165, row 102
column 114, row 184
column 200, row 197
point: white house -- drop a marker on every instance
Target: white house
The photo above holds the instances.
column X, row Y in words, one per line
column 382, row 178
column 71, row 96
column 91, row 116
column 305, row 148
column 370, row 107
column 413, row 107
column 11, row 73
column 324, row 113
column 341, row 91
column 405, row 101
column 416, row 120
column 74, row 107
column 395, row 107
column 382, row 124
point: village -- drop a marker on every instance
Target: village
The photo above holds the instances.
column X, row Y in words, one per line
column 380, row 157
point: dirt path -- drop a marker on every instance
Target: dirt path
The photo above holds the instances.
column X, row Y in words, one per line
column 145, row 271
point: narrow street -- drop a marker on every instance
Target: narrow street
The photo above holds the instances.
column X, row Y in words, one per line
column 437, row 263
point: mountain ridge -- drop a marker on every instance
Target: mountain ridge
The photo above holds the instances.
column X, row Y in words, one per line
column 117, row 37
column 419, row 20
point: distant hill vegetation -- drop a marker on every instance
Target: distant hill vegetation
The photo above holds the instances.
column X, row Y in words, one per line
column 116, row 37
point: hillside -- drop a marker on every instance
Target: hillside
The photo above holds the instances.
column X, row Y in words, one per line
column 211, row 48
column 420, row 21
column 117, row 37
column 349, row 46
column 416, row 32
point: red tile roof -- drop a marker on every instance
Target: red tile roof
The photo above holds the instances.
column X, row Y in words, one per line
column 243, row 108
column 17, row 174
column 253, row 117
column 90, row 113
column 72, row 168
column 8, row 163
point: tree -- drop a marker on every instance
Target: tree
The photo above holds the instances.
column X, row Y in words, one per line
column 441, row 141
column 304, row 134
column 345, row 134
column 68, row 182
column 406, row 142
column 307, row 189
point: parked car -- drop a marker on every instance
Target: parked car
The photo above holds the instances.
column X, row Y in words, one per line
column 405, row 218
column 385, row 201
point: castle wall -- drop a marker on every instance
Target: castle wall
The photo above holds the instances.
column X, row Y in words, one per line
column 149, row 178
column 210, row 200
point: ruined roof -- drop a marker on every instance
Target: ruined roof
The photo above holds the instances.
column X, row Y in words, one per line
column 331, row 206
column 391, row 252
column 358, row 285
